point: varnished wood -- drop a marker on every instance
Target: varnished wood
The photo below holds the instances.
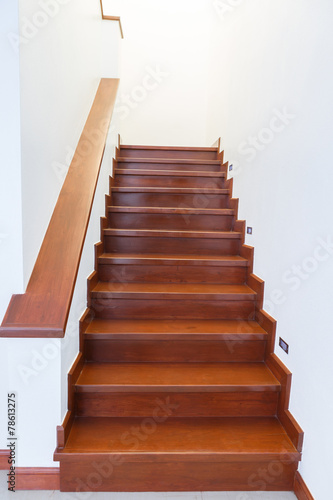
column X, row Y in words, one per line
column 172, row 476
column 164, row 152
column 283, row 375
column 174, row 221
column 112, row 18
column 176, row 377
column 300, row 488
column 174, row 436
column 158, row 197
column 175, row 316
column 238, row 349
column 187, row 404
column 52, row 282
column 177, row 330
column 37, row 478
column 147, row 241
column 4, row 459
column 170, row 291
column 177, row 271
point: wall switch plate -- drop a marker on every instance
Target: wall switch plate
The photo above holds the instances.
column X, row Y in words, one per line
column 284, row 345
column 230, row 167
column 249, row 230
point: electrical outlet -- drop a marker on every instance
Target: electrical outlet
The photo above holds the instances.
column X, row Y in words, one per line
column 249, row 230
column 230, row 167
column 284, row 345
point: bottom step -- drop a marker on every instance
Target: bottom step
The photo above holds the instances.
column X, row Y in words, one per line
column 163, row 453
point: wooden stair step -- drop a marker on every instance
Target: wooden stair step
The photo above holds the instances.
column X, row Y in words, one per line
column 173, row 291
column 117, row 300
column 168, row 161
column 176, row 377
column 168, row 178
column 203, row 439
column 171, row 210
column 170, row 218
column 171, row 190
column 168, row 173
column 128, row 151
column 176, row 260
column 214, row 167
column 167, row 233
column 135, row 340
column 206, row 197
column 159, row 330
column 169, row 241
column 230, row 269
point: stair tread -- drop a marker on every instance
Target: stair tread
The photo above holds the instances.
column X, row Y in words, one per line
column 227, row 438
column 171, row 233
column 168, row 148
column 172, row 210
column 168, row 290
column 169, row 190
column 226, row 377
column 169, row 173
column 183, row 161
column 176, row 329
column 177, row 259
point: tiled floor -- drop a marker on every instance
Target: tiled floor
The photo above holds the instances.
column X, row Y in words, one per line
column 56, row 495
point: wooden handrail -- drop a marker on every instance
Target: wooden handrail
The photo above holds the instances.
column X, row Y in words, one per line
column 112, row 18
column 43, row 310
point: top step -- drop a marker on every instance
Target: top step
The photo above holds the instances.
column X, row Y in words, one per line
column 176, row 153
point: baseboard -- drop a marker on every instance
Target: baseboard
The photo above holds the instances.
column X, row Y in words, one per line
column 37, row 478
column 300, row 488
column 4, row 459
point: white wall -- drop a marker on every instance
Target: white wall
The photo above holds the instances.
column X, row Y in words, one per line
column 57, row 89
column 164, row 73
column 11, row 259
column 269, row 57
column 61, row 66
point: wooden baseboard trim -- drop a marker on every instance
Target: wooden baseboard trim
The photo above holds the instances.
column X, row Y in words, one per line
column 37, row 478
column 300, row 488
column 4, row 459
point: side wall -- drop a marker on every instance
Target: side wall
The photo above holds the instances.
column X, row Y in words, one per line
column 271, row 102
column 60, row 53
column 11, row 258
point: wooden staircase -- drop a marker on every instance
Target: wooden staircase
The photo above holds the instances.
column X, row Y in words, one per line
column 176, row 386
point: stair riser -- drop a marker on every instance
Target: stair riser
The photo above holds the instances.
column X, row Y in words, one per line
column 176, row 154
column 171, row 221
column 172, row 274
column 200, row 404
column 173, row 309
column 190, row 200
column 181, row 246
column 168, row 181
column 170, row 166
column 175, row 351
column 111, row 473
